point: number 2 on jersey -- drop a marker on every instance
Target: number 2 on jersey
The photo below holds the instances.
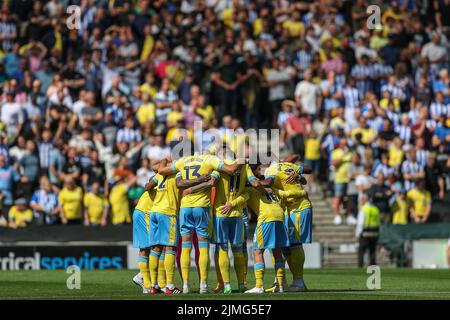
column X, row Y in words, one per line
column 162, row 185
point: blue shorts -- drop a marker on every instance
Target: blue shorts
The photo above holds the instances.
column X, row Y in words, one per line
column 306, row 217
column 195, row 219
column 293, row 225
column 340, row 189
column 313, row 164
column 163, row 229
column 245, row 221
column 270, row 235
column 140, row 229
column 228, row 230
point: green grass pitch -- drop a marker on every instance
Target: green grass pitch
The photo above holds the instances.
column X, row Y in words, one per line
column 322, row 284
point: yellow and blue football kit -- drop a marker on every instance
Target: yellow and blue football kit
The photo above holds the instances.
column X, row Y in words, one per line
column 164, row 212
column 298, row 211
column 141, row 239
column 195, row 212
column 141, row 218
column 230, row 227
column 270, row 232
column 195, row 207
column 164, row 229
column 297, row 206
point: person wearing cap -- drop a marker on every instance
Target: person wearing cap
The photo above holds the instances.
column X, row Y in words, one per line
column 19, row 214
column 419, row 202
column 367, row 230
column 70, row 200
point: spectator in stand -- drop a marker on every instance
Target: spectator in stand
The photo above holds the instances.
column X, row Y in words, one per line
column 19, row 215
column 434, row 179
column 70, row 200
column 149, row 70
column 95, row 207
column 380, row 194
column 308, row 96
column 341, row 158
column 399, row 205
column 118, row 198
column 44, row 203
column 297, row 127
column 354, row 170
column 419, row 201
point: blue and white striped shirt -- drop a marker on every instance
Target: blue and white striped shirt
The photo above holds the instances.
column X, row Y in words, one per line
column 422, row 157
column 396, row 92
column 364, row 85
column 404, row 132
column 45, row 148
column 409, row 167
column 351, row 97
column 383, row 169
column 7, row 29
column 302, row 59
column 128, row 135
column 47, row 200
column 439, row 109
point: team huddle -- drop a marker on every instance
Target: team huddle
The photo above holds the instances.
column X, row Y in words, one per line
column 200, row 200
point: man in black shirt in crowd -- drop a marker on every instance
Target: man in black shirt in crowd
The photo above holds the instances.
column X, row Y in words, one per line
column 380, row 194
column 434, row 178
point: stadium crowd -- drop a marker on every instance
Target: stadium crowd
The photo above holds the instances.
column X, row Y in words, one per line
column 86, row 111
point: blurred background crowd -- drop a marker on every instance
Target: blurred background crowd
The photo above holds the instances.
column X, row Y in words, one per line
column 86, row 111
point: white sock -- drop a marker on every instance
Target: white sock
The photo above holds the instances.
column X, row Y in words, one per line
column 170, row 286
column 227, row 286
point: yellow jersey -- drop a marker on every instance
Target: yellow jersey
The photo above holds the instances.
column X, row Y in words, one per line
column 145, row 202
column 367, row 134
column 395, row 156
column 296, row 28
column 174, row 116
column 279, row 172
column 384, row 103
column 207, row 113
column 120, row 206
column 72, row 202
column 146, row 113
column 419, row 199
column 341, row 171
column 312, row 149
column 399, row 212
column 192, row 167
column 167, row 198
column 230, row 188
column 147, row 48
column 20, row 218
column 266, row 206
column 149, row 89
column 95, row 204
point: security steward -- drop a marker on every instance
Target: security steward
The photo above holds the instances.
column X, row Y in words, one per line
column 367, row 230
